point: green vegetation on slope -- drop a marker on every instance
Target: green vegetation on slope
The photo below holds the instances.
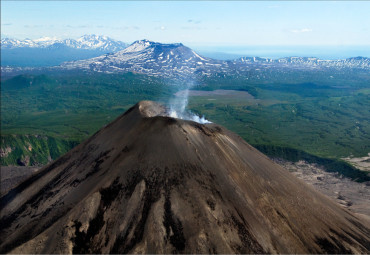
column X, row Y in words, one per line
column 323, row 126
column 32, row 149
column 305, row 111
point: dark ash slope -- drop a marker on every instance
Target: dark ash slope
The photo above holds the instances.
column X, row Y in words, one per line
column 152, row 184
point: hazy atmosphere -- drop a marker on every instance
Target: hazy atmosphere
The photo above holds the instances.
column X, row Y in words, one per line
column 235, row 27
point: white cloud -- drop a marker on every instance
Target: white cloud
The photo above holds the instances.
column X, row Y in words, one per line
column 302, row 30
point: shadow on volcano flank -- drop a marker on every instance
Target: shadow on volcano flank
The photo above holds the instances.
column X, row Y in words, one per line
column 147, row 183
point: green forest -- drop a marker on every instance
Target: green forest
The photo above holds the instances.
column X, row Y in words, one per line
column 306, row 115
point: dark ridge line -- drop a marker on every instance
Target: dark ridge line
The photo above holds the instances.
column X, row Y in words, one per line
column 5, row 222
column 327, row 246
column 82, row 241
column 28, row 235
column 122, row 244
column 171, row 223
column 6, row 199
column 98, row 161
column 151, row 195
column 249, row 242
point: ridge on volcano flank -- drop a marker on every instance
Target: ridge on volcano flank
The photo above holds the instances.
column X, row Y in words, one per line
column 148, row 183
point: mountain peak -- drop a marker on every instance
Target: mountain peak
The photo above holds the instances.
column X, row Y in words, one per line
column 46, row 39
column 139, row 45
column 147, row 43
column 143, row 41
column 147, row 183
column 90, row 37
column 151, row 109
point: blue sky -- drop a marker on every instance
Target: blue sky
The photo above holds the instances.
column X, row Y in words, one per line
column 239, row 23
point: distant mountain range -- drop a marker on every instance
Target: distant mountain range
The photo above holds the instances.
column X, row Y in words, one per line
column 354, row 62
column 157, row 59
column 177, row 60
column 86, row 42
column 48, row 51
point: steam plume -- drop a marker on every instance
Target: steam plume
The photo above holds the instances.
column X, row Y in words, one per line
column 178, row 105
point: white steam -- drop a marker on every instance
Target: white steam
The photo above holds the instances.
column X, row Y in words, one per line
column 177, row 108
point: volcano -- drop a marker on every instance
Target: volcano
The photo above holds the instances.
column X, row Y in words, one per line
column 148, row 183
column 153, row 58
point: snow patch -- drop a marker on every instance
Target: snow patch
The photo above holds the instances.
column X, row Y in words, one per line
column 198, row 56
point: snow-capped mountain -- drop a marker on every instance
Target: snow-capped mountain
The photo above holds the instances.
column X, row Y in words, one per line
column 157, row 59
column 8, row 43
column 87, row 42
column 304, row 62
column 177, row 60
column 152, row 58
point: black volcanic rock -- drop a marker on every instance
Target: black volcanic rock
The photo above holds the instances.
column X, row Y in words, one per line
column 147, row 183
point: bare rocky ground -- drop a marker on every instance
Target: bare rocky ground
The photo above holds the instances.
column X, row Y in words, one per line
column 349, row 194
column 11, row 176
column 362, row 163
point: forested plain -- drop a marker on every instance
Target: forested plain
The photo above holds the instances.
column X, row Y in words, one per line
column 297, row 115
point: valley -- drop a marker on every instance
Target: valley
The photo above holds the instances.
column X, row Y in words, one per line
column 325, row 120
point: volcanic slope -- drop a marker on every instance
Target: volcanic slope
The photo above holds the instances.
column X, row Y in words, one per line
column 147, row 183
column 157, row 59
